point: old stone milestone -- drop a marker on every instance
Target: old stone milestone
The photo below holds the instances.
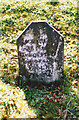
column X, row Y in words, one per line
column 40, row 54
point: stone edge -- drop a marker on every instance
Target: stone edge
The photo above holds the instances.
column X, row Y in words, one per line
column 38, row 22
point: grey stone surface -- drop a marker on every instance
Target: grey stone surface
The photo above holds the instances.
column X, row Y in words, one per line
column 40, row 54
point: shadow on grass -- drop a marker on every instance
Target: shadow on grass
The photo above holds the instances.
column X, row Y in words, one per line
column 52, row 101
column 57, row 100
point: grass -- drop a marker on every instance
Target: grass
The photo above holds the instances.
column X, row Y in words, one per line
column 55, row 101
column 13, row 103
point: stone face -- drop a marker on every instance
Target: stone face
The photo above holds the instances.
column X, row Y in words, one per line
column 40, row 54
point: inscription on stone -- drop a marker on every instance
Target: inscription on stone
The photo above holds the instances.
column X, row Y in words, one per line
column 40, row 54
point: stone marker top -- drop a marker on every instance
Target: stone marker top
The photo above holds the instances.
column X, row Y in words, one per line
column 36, row 22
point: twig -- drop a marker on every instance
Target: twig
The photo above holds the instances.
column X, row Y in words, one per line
column 66, row 110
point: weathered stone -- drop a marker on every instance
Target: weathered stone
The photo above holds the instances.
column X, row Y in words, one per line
column 40, row 53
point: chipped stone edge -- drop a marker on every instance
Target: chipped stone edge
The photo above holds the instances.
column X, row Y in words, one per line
column 39, row 22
